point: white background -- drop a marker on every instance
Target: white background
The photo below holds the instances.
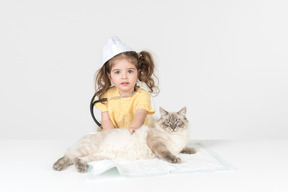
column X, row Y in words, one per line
column 226, row 61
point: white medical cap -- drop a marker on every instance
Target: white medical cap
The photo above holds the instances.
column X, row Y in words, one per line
column 113, row 47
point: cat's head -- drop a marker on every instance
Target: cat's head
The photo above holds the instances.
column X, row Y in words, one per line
column 173, row 121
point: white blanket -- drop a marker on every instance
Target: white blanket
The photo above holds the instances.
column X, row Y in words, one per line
column 203, row 160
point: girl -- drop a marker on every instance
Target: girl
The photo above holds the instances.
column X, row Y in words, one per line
column 121, row 68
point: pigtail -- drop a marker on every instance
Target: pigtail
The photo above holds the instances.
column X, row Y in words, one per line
column 102, row 81
column 146, row 71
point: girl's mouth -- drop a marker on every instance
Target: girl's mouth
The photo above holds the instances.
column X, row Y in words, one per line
column 125, row 83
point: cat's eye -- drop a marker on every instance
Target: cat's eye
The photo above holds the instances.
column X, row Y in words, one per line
column 178, row 122
column 168, row 123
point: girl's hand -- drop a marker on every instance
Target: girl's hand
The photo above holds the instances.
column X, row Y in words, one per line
column 138, row 120
column 131, row 130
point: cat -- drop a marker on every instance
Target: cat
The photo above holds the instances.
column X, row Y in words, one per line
column 167, row 138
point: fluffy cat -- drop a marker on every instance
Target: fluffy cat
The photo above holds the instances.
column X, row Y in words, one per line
column 167, row 138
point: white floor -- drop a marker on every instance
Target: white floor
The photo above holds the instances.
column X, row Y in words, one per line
column 260, row 166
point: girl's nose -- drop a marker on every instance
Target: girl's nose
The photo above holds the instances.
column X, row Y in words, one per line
column 124, row 76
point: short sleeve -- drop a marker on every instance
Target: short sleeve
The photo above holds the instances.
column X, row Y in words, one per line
column 102, row 107
column 144, row 102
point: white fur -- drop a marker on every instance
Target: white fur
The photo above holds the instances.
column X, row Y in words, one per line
column 175, row 142
column 119, row 144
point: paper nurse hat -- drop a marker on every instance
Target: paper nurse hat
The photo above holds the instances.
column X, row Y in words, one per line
column 113, row 47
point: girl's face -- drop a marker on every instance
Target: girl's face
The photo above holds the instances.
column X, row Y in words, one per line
column 124, row 75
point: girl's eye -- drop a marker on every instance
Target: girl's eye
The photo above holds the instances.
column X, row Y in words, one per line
column 130, row 71
column 117, row 72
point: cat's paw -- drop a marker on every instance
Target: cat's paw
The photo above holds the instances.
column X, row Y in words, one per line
column 176, row 160
column 81, row 166
column 60, row 164
column 188, row 150
column 171, row 158
column 57, row 166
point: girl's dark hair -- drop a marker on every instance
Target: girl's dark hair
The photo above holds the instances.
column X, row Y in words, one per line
column 144, row 64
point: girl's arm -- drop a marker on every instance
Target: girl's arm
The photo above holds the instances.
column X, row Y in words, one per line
column 106, row 121
column 138, row 120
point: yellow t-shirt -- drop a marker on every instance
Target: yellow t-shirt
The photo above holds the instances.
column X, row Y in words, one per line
column 122, row 110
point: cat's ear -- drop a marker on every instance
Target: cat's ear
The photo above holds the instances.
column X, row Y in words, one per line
column 163, row 112
column 182, row 112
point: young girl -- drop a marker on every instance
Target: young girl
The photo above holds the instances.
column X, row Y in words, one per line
column 121, row 68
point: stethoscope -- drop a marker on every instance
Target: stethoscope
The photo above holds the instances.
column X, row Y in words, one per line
column 92, row 104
